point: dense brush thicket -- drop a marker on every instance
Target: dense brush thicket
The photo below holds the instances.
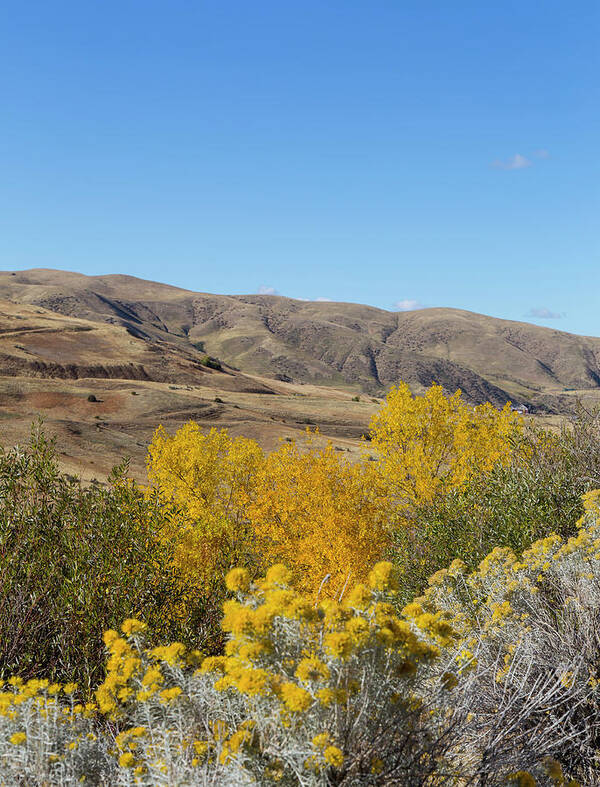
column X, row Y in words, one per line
column 489, row 678
column 535, row 494
column 77, row 560
column 431, row 617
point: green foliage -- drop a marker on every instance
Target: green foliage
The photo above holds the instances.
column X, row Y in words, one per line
column 75, row 560
column 211, row 363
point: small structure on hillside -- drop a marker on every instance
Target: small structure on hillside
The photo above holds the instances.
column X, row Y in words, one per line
column 520, row 408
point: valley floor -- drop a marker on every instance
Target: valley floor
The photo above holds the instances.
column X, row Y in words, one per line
column 94, row 435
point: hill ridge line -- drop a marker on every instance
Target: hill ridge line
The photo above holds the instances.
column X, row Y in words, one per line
column 333, row 343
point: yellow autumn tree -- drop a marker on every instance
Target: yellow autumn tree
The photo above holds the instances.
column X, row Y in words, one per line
column 207, row 477
column 428, row 444
column 320, row 514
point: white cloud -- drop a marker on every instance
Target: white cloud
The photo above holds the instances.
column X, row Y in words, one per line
column 408, row 305
column 321, row 299
column 542, row 313
column 514, row 162
column 541, row 153
column 263, row 290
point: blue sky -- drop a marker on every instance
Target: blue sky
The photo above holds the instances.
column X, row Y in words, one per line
column 398, row 153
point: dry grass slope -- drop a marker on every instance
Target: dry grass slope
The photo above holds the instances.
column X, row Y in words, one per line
column 336, row 343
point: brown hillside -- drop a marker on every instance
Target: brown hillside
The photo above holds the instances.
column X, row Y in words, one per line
column 336, row 344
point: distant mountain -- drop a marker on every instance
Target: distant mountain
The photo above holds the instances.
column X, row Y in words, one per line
column 171, row 331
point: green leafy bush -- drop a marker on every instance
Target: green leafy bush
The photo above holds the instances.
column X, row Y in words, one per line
column 76, row 560
column 211, row 363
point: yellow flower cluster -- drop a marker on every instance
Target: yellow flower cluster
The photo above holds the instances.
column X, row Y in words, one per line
column 334, row 634
column 311, row 669
column 330, row 753
column 171, row 654
column 334, row 756
column 135, row 676
column 123, row 663
column 242, row 737
column 295, row 698
column 242, row 676
column 43, row 695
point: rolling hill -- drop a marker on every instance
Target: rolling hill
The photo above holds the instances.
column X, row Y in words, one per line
column 165, row 333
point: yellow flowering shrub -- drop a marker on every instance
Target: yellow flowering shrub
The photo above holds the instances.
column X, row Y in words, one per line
column 319, row 667
column 435, row 442
column 352, row 691
column 285, row 696
column 207, row 476
column 528, row 631
column 322, row 515
column 47, row 736
column 433, row 450
column 327, row 518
